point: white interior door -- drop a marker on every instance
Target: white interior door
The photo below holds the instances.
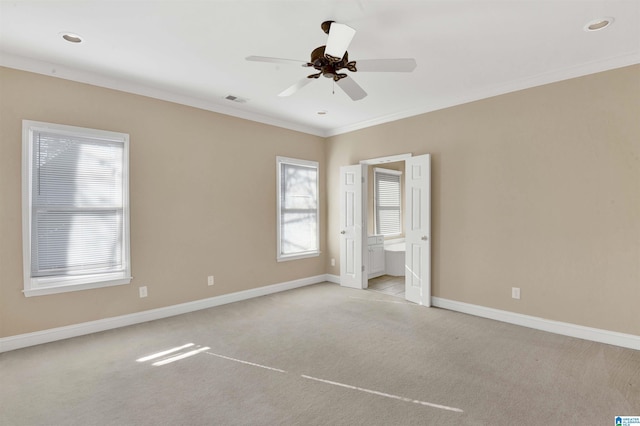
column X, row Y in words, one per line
column 418, row 229
column 352, row 226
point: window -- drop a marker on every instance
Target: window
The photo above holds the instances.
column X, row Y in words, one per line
column 298, row 209
column 387, row 201
column 75, row 208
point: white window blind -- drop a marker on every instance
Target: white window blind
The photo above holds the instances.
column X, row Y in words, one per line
column 387, row 201
column 78, row 204
column 298, row 208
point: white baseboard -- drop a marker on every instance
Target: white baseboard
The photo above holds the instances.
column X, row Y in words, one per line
column 30, row 339
column 45, row 336
column 333, row 278
column 587, row 333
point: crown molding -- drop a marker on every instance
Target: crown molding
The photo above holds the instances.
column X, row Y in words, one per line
column 54, row 70
column 58, row 71
column 627, row 59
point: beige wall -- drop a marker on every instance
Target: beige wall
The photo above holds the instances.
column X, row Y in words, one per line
column 203, row 194
column 538, row 189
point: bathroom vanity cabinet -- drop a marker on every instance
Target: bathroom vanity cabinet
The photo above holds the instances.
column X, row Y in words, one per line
column 375, row 244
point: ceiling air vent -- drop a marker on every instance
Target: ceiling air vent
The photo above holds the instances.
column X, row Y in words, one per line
column 236, row 99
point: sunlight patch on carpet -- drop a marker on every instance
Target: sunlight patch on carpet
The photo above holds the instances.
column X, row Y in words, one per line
column 247, row 362
column 169, row 357
column 386, row 395
column 163, row 353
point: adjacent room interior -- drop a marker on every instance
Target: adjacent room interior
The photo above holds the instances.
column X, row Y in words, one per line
column 226, row 306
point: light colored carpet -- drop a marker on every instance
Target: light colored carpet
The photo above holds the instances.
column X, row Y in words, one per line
column 320, row 355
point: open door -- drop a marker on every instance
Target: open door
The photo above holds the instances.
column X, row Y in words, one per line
column 352, row 226
column 418, row 229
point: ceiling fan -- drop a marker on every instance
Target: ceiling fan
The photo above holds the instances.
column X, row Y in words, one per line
column 332, row 58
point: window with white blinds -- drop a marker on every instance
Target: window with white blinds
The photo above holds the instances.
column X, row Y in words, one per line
column 76, row 224
column 387, row 201
column 298, row 209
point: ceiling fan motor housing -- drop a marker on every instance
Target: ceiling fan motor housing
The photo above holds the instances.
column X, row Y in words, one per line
column 328, row 65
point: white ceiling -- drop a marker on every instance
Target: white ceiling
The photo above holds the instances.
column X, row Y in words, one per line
column 193, row 52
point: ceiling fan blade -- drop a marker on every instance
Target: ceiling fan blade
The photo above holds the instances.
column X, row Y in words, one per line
column 293, row 89
column 275, row 60
column 340, row 35
column 386, row 65
column 351, row 88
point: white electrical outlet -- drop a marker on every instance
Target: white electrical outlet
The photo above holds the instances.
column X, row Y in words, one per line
column 143, row 291
column 515, row 292
column 210, row 280
column 333, row 261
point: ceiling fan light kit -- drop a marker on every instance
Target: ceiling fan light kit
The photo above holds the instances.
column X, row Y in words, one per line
column 333, row 57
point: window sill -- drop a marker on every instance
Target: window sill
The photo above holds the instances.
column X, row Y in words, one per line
column 44, row 286
column 298, row 256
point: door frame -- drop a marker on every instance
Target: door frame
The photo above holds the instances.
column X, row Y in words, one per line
column 388, row 159
column 365, row 224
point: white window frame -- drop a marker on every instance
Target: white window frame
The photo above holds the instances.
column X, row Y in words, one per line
column 37, row 286
column 377, row 171
column 306, row 254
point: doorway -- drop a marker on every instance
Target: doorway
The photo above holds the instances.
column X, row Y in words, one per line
column 385, row 228
column 354, row 233
column 387, row 284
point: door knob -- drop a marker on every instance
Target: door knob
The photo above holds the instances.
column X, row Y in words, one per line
column 343, row 232
column 424, row 238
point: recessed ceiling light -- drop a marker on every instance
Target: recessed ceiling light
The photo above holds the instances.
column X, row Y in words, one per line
column 72, row 38
column 598, row 24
